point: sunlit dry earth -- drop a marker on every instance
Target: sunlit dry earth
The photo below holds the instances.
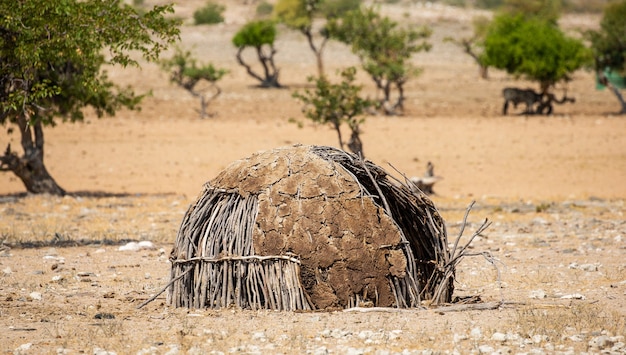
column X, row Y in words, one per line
column 553, row 188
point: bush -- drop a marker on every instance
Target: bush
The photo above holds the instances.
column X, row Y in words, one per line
column 489, row 4
column 264, row 9
column 336, row 8
column 210, row 14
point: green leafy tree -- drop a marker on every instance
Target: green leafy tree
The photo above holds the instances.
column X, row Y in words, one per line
column 337, row 104
column 209, row 14
column 259, row 35
column 609, row 47
column 186, row 73
column 534, row 49
column 52, row 68
column 301, row 15
column 385, row 50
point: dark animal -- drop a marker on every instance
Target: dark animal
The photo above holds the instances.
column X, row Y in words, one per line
column 517, row 96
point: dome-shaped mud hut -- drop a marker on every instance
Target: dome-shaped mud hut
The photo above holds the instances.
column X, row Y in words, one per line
column 309, row 227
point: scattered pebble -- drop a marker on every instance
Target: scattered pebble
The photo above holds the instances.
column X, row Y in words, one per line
column 500, row 337
column 537, row 294
column 574, row 296
column 23, row 349
column 137, row 246
column 98, row 351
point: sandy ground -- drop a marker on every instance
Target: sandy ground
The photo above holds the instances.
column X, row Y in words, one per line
column 554, row 187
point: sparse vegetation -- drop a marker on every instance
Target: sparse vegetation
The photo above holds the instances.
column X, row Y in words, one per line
column 301, row 14
column 187, row 73
column 264, row 9
column 474, row 45
column 384, row 48
column 337, row 104
column 259, row 35
column 209, row 14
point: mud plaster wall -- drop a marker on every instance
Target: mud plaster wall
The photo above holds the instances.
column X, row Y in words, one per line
column 313, row 208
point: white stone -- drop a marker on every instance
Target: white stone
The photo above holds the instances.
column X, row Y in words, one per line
column 36, row 296
column 98, row 351
column 601, row 342
column 260, row 336
column 395, row 334
column 497, row 336
column 23, row 347
column 588, row 267
column 365, row 334
column 476, row 333
column 130, row 246
column 537, row 294
column 574, row 296
column 485, row 349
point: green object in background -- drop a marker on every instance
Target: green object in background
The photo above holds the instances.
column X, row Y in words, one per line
column 614, row 78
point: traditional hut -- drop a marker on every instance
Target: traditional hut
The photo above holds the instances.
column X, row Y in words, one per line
column 309, row 227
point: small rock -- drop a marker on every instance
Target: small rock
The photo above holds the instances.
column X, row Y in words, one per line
column 260, row 336
column 148, row 351
column 485, row 349
column 573, row 296
column 320, row 351
column 98, row 351
column 537, row 294
column 104, row 316
column 131, row 246
column 501, row 337
column 601, row 342
column 576, row 338
column 134, row 246
column 589, row 267
column 7, row 271
column 459, row 337
column 476, row 333
column 23, row 349
column 36, row 296
column 395, row 334
column 365, row 334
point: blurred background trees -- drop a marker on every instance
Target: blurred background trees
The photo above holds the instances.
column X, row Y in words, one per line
column 260, row 36
column 609, row 50
column 187, row 73
column 385, row 49
column 53, row 67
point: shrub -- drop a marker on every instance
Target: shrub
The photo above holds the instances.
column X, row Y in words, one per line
column 210, row 14
column 264, row 9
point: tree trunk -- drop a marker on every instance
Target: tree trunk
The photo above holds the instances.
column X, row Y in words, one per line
column 338, row 130
column 30, row 167
column 620, row 98
column 605, row 81
column 355, row 144
column 317, row 51
column 269, row 80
